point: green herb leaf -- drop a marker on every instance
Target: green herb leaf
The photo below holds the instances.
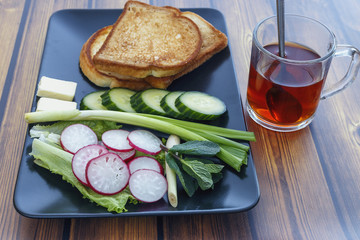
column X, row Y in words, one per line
column 198, row 148
column 190, row 186
column 214, row 168
column 198, row 170
column 209, row 165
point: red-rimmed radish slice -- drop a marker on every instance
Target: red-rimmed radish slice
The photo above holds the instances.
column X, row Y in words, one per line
column 145, row 141
column 77, row 136
column 147, row 185
column 126, row 156
column 116, row 140
column 107, row 174
column 82, row 157
column 145, row 162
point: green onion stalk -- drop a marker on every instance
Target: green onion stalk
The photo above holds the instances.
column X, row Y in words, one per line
column 185, row 130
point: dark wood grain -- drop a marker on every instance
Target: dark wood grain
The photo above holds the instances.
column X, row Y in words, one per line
column 109, row 228
column 220, row 226
column 309, row 180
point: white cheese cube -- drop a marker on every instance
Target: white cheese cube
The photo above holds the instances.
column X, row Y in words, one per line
column 51, row 104
column 55, row 88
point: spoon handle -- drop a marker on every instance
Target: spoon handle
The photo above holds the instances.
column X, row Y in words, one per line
column 281, row 26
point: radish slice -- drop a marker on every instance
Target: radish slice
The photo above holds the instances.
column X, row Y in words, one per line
column 145, row 163
column 82, row 157
column 107, row 174
column 147, row 185
column 145, row 141
column 116, row 140
column 126, row 156
column 77, row 136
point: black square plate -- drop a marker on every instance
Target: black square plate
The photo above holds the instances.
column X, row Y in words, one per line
column 41, row 194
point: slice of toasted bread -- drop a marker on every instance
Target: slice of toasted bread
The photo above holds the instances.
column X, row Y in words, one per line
column 89, row 49
column 149, row 41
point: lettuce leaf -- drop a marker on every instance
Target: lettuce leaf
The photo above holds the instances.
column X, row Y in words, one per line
column 59, row 162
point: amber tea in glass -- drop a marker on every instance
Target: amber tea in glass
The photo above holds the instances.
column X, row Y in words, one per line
column 284, row 92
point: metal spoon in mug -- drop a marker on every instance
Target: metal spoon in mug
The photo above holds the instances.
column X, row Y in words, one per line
column 283, row 106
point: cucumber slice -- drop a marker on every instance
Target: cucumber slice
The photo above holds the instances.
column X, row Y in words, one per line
column 118, row 99
column 148, row 101
column 168, row 104
column 92, row 101
column 200, row 106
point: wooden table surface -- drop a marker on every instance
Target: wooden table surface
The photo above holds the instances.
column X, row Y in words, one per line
column 309, row 180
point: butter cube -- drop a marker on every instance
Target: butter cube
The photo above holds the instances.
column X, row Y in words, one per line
column 55, row 88
column 51, row 104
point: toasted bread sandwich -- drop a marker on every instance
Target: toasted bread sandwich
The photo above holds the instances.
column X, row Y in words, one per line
column 212, row 40
column 148, row 41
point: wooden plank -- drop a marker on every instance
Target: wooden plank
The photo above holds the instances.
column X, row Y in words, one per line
column 14, row 226
column 10, row 18
column 38, row 229
column 336, row 127
column 295, row 199
column 219, row 226
column 114, row 228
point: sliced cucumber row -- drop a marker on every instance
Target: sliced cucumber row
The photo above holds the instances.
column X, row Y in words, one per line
column 191, row 105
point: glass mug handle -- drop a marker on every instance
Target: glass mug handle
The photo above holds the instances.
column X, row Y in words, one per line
column 344, row 51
